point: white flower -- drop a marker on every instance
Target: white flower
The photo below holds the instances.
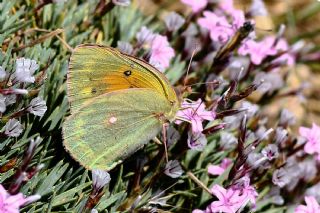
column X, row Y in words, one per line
column 13, row 128
column 173, row 169
column 123, row 3
column 145, row 36
column 25, row 68
column 256, row 160
column 33, row 144
column 125, row 47
column 251, row 109
column 271, row 151
column 280, row 177
column 270, row 82
column 100, row 178
column 2, row 73
column 174, row 21
column 287, row 117
column 228, row 140
column 238, row 67
column 157, row 65
column 37, row 106
column 196, row 141
column 258, row 8
column 20, row 91
column 2, row 103
column 281, row 135
column 10, row 99
column 172, row 136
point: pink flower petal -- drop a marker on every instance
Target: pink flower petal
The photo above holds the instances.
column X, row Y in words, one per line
column 258, row 50
column 304, row 131
column 219, row 169
column 195, row 113
column 161, row 52
column 196, row 5
column 198, row 211
column 312, row 135
column 16, row 200
column 311, row 207
column 218, row 26
column 215, row 170
column 12, row 203
column 219, row 192
column 312, row 203
column 301, row 209
column 196, row 125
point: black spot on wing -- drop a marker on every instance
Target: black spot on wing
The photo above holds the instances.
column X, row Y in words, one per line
column 127, row 73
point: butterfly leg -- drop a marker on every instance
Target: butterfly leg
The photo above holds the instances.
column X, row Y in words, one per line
column 164, row 136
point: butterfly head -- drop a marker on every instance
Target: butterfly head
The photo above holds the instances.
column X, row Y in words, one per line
column 175, row 106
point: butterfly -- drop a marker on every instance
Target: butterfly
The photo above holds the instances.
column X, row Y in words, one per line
column 118, row 103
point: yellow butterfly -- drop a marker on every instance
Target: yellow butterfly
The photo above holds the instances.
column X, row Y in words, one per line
column 118, row 103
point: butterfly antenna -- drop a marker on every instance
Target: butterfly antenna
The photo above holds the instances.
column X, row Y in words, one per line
column 189, row 66
column 58, row 36
column 215, row 82
column 197, row 181
column 65, row 43
column 264, row 30
column 195, row 111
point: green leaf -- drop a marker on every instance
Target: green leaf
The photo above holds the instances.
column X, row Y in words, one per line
column 68, row 196
column 53, row 177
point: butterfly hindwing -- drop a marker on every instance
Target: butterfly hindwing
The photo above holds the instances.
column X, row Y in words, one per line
column 110, row 127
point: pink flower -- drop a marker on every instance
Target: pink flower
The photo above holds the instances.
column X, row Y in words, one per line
column 219, row 28
column 237, row 15
column 161, row 52
column 312, row 135
column 233, row 199
column 258, row 50
column 238, row 18
column 287, row 58
column 195, row 113
column 198, row 211
column 218, row 25
column 261, row 49
column 196, row 5
column 229, row 200
column 219, row 169
column 249, row 192
column 12, row 203
column 227, row 6
column 311, row 207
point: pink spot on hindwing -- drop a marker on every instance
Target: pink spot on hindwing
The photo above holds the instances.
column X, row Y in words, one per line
column 112, row 120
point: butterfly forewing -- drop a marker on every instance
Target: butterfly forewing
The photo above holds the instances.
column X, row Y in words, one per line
column 95, row 70
column 112, row 126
